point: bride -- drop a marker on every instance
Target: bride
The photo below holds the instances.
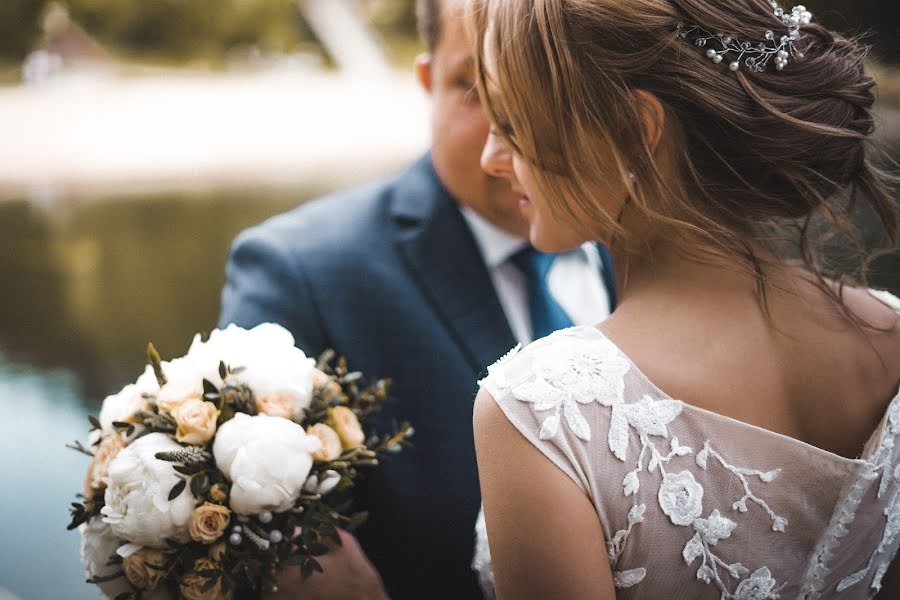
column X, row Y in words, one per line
column 732, row 430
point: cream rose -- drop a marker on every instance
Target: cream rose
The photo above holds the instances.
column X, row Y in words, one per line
column 267, row 459
column 137, row 506
column 331, row 443
column 276, row 405
column 344, row 422
column 98, row 469
column 193, row 584
column 196, row 421
column 138, row 569
column 208, row 522
column 323, row 382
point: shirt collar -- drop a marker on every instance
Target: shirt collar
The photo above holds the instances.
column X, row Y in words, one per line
column 496, row 245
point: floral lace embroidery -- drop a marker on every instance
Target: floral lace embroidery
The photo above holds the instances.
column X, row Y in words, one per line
column 624, row 579
column 879, row 463
column 709, row 531
column 564, row 382
column 778, row 523
column 581, row 378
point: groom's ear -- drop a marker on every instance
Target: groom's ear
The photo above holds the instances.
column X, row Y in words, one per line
column 423, row 71
column 653, row 116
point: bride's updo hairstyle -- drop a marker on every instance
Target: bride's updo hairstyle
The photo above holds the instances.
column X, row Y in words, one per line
column 745, row 157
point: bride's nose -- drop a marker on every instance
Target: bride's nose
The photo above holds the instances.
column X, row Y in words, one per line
column 496, row 159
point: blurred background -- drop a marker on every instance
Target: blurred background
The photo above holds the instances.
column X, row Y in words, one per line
column 137, row 137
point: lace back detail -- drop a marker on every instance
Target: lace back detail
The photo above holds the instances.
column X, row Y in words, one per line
column 644, row 458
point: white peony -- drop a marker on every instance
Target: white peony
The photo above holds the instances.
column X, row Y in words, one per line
column 123, row 407
column 267, row 460
column 98, row 546
column 184, row 380
column 278, row 372
column 137, row 506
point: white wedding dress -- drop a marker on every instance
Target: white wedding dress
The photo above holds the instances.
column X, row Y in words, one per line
column 694, row 504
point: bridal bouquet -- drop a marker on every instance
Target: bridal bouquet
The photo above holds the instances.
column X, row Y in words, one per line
column 214, row 470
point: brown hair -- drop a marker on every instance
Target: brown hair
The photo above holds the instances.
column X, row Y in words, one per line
column 757, row 157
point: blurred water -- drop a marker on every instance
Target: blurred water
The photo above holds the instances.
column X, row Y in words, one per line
column 41, row 410
column 84, row 287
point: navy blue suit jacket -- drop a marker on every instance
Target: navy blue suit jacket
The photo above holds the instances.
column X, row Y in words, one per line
column 390, row 276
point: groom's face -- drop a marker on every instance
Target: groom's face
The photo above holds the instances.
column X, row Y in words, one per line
column 459, row 126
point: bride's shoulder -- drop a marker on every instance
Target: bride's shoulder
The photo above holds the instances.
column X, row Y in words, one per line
column 555, row 358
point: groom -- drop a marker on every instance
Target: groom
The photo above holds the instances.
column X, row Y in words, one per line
column 425, row 278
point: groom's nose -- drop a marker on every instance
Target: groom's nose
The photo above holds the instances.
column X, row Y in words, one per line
column 496, row 159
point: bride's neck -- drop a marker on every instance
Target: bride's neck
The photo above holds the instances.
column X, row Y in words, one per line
column 664, row 268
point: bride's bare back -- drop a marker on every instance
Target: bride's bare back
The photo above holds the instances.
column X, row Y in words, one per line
column 806, row 372
column 712, row 456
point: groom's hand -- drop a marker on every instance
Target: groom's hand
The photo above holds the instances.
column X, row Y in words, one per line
column 348, row 576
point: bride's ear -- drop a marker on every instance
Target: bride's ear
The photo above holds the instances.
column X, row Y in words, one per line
column 653, row 117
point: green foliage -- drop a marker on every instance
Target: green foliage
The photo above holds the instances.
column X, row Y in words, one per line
column 19, row 27
column 394, row 16
column 187, row 29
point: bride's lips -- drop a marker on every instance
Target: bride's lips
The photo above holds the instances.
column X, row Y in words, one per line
column 524, row 202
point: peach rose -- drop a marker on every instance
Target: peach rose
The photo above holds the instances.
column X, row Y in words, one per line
column 323, row 382
column 331, row 442
column 208, row 522
column 98, row 469
column 344, row 422
column 192, row 584
column 196, row 421
column 276, row 405
column 219, row 492
column 138, row 569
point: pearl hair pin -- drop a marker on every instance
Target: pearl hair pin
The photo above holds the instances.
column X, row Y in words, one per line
column 756, row 55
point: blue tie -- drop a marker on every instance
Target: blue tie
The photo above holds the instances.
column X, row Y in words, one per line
column 547, row 315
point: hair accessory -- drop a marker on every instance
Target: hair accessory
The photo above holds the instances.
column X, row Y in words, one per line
column 755, row 55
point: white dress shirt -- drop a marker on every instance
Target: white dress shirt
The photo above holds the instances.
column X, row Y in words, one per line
column 575, row 279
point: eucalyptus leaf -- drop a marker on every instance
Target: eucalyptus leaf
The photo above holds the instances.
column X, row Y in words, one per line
column 177, row 489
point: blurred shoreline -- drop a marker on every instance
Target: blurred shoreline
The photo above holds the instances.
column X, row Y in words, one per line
column 96, row 131
column 91, row 131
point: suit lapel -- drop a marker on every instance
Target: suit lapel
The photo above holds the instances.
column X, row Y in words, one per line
column 442, row 257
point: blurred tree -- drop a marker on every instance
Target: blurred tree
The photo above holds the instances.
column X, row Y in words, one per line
column 396, row 17
column 20, row 27
column 188, row 29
